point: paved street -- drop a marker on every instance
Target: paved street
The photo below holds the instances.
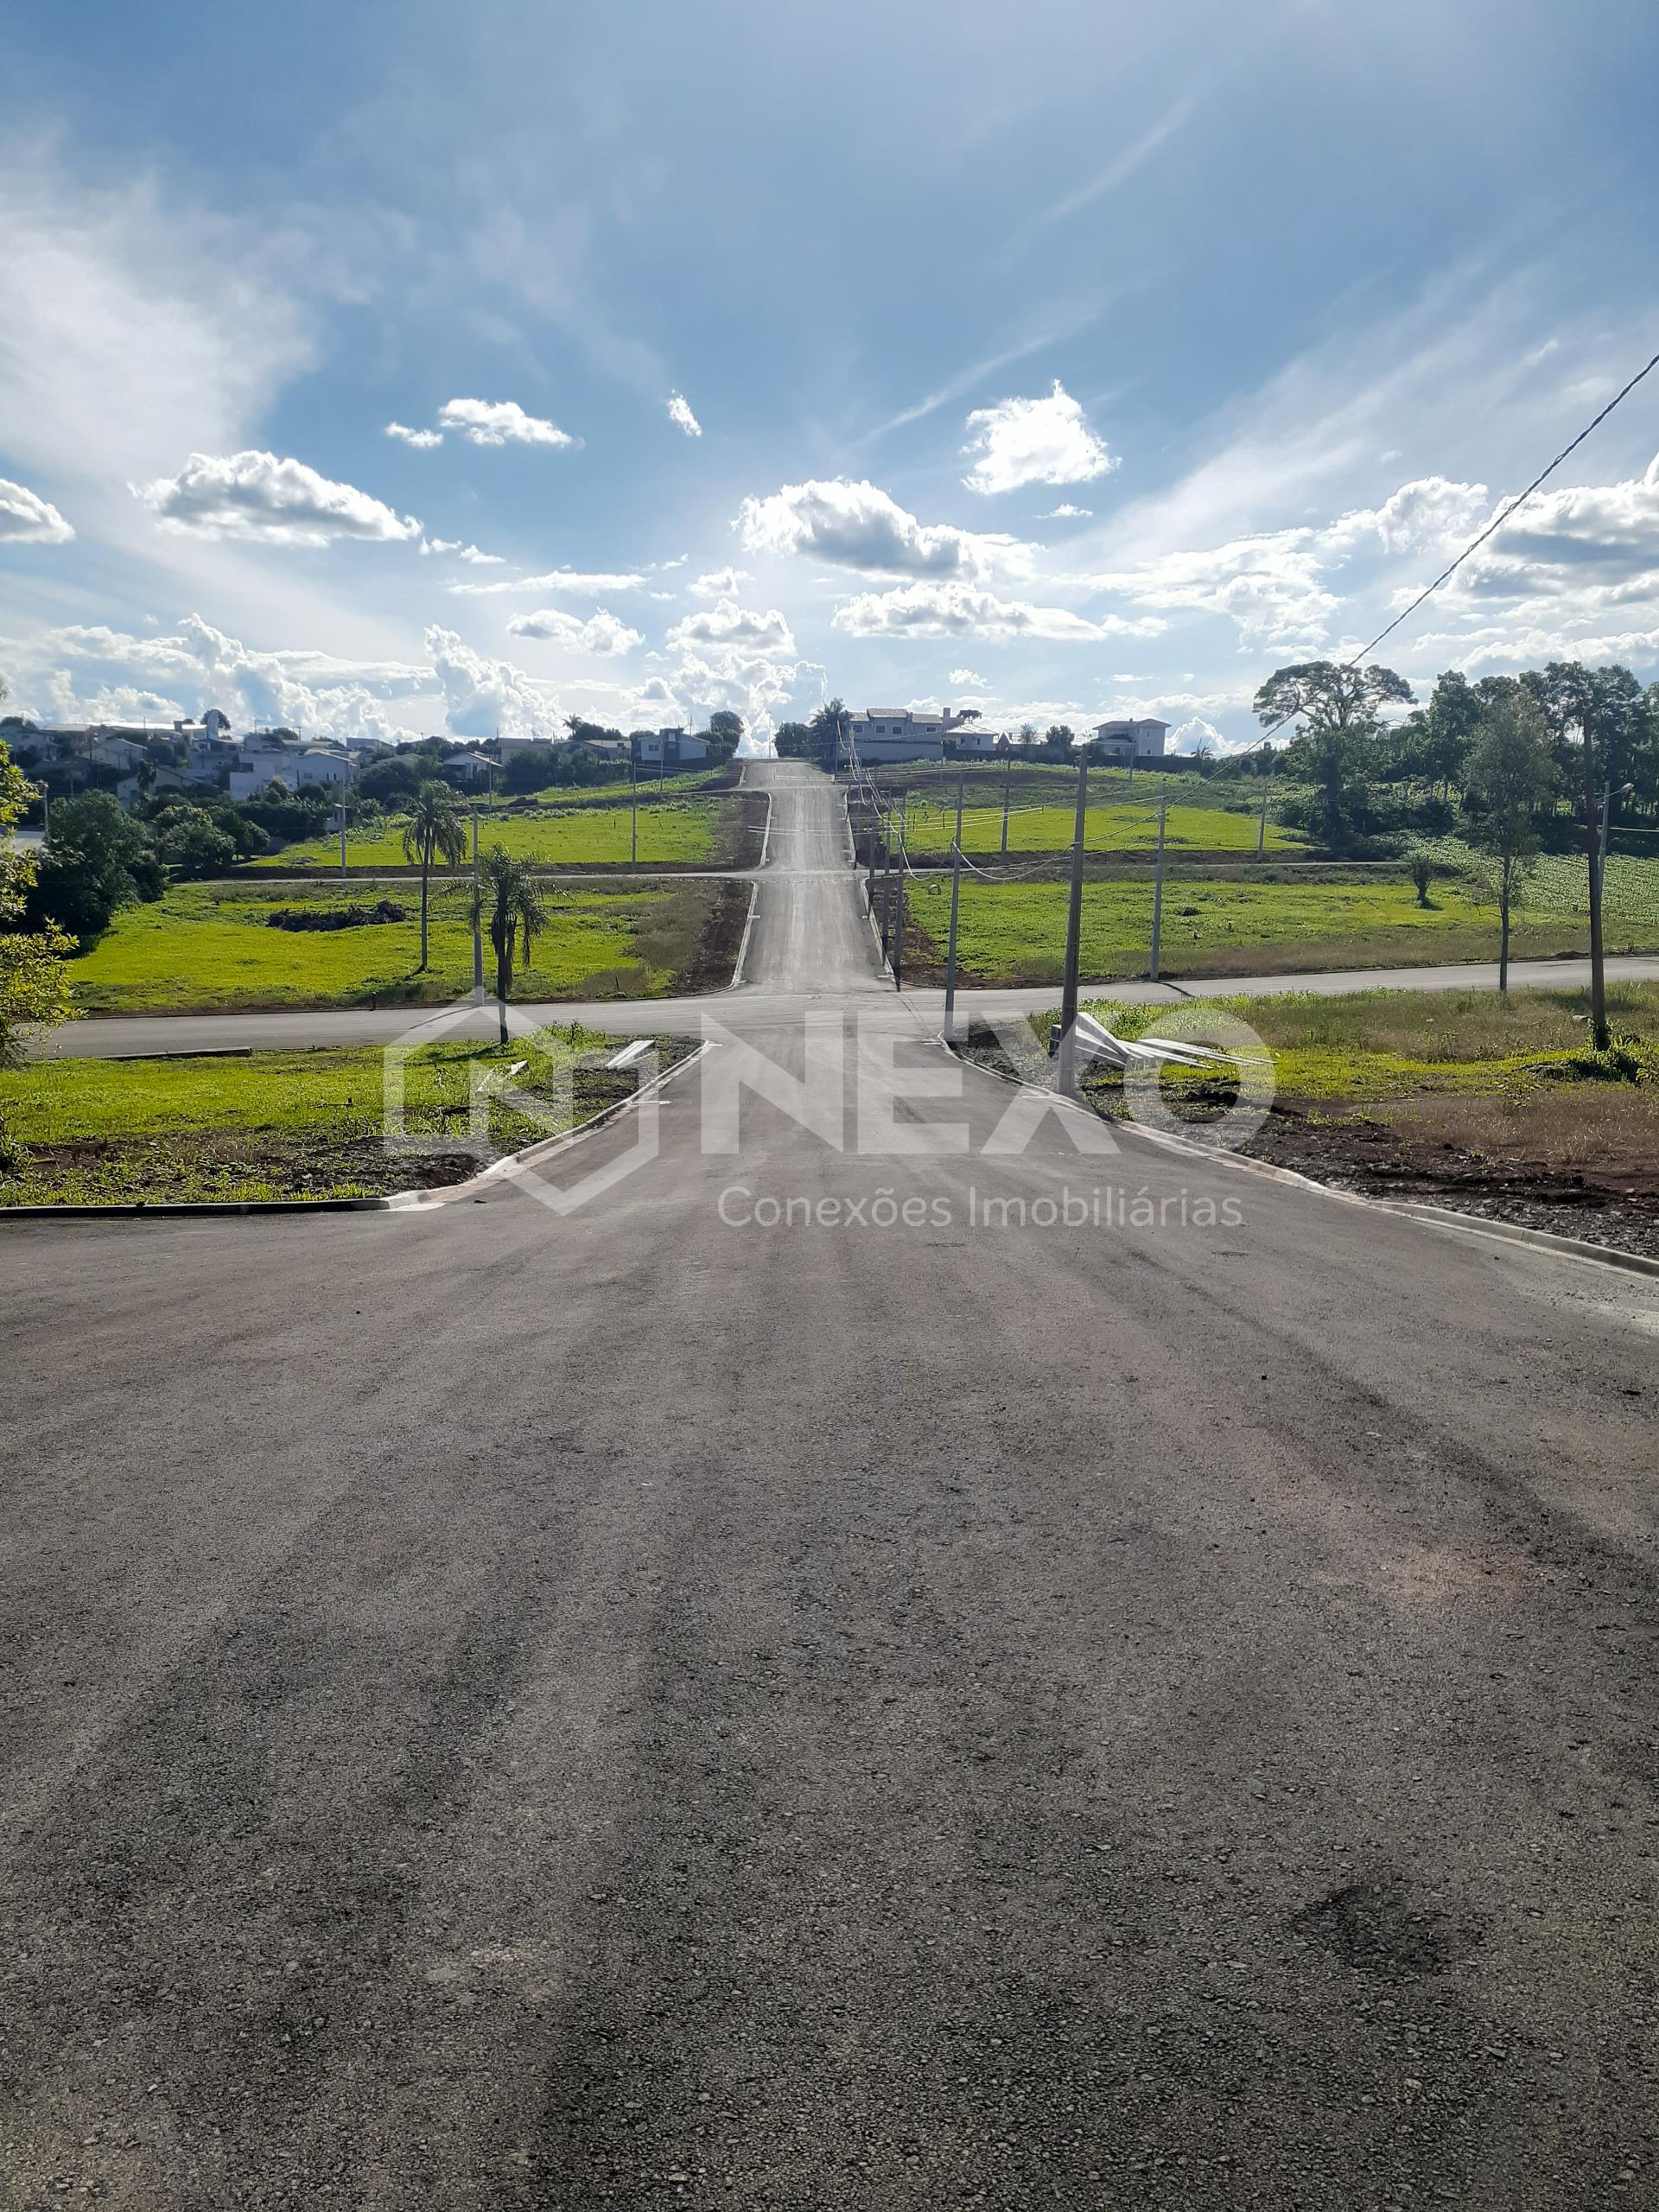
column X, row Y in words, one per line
column 670, row 1703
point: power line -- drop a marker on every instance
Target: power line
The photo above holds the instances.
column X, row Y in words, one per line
column 1475, row 544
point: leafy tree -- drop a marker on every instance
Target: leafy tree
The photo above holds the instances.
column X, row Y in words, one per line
column 583, row 731
column 434, row 831
column 505, row 903
column 726, row 727
column 828, row 727
column 390, row 782
column 97, row 859
column 1510, row 776
column 1420, row 866
column 796, row 741
column 1058, row 741
column 190, row 841
column 1338, row 713
column 1448, row 729
column 34, row 990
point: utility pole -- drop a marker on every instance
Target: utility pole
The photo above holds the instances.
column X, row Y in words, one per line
column 899, row 918
column 1073, row 939
column 1262, row 825
column 634, row 811
column 1599, row 1036
column 1158, row 885
column 342, row 833
column 956, row 898
column 872, row 816
column 887, row 881
column 1008, row 799
column 478, row 921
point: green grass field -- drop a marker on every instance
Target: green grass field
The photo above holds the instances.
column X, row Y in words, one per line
column 275, row 1124
column 1015, row 933
column 1367, row 1047
column 209, row 948
column 1119, row 826
column 565, row 835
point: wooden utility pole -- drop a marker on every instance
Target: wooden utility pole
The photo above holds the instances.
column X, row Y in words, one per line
column 1157, row 884
column 633, row 812
column 1073, row 939
column 1008, row 800
column 1592, row 848
column 478, row 921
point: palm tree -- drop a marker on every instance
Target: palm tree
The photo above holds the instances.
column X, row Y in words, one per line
column 508, row 902
column 434, row 831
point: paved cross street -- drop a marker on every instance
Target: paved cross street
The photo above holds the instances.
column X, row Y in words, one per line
column 1021, row 1676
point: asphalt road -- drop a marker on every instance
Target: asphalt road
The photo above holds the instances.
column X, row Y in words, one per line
column 644, row 1704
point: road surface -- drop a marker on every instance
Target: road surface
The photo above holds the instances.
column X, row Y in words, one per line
column 659, row 1703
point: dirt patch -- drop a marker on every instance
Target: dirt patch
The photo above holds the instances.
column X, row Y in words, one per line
column 714, row 957
column 1472, row 1154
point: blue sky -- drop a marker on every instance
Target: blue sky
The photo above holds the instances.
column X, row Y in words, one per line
column 1063, row 360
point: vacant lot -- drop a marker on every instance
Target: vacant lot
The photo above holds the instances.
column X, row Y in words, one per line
column 567, row 833
column 1014, row 933
column 286, row 1124
column 211, row 948
column 1118, row 825
column 1490, row 1104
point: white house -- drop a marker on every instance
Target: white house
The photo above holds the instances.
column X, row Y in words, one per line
column 881, row 735
column 1133, row 740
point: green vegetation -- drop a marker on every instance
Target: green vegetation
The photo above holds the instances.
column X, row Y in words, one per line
column 674, row 829
column 1014, row 933
column 1118, row 825
column 33, row 986
column 277, row 1124
column 1366, row 1047
column 209, row 948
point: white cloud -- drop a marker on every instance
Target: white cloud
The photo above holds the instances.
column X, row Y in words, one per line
column 601, row 633
column 423, row 440
column 581, row 583
column 28, row 519
column 500, row 422
column 859, row 526
column 1021, row 441
column 957, row 610
column 255, row 495
column 482, row 697
column 719, row 584
column 727, row 623
column 679, row 413
column 968, row 675
column 1067, row 512
column 1196, row 733
column 470, row 554
column 85, row 670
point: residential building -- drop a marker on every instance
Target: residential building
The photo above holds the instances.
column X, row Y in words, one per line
column 657, row 748
column 1131, row 741
column 879, row 736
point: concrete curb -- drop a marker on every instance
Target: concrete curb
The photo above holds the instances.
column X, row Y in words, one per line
column 743, row 947
column 1431, row 1217
column 418, row 1200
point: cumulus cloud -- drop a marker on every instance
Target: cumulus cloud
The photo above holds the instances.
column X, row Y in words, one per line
column 481, row 696
column 968, row 675
column 1196, row 735
column 500, row 422
column 727, row 623
column 470, row 554
column 423, row 440
column 959, row 610
column 255, row 495
column 1596, row 542
column 1022, row 442
column 679, row 413
column 601, row 633
column 28, row 519
column 90, row 670
column 859, row 526
column 719, row 584
column 1067, row 512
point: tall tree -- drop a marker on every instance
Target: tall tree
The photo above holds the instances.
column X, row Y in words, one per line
column 829, row 727
column 97, row 858
column 1510, row 775
column 507, row 902
column 33, row 989
column 434, row 831
column 1449, row 727
column 1339, row 711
